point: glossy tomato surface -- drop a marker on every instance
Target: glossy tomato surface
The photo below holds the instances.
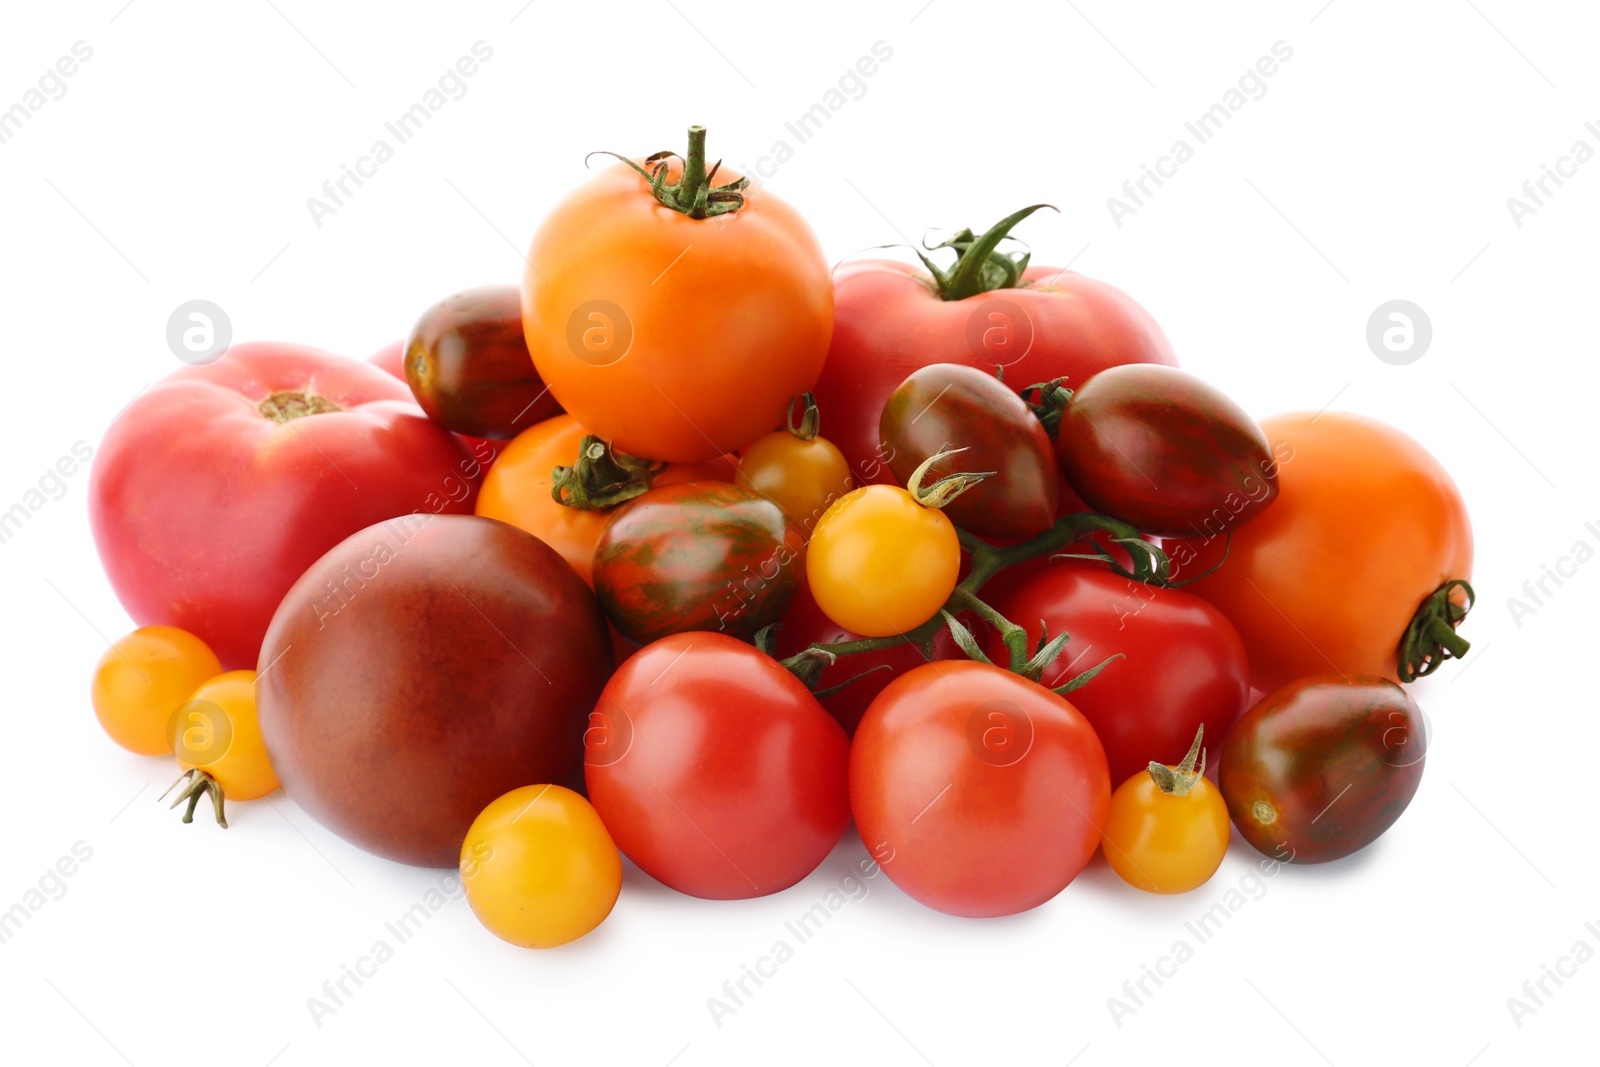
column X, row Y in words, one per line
column 1323, row 766
column 979, row 792
column 890, row 321
column 1182, row 662
column 422, row 668
column 715, row 770
column 219, row 485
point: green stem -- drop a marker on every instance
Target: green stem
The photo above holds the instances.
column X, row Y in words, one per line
column 695, row 193
column 1431, row 638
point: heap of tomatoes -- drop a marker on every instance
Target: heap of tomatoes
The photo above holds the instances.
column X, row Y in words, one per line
column 693, row 549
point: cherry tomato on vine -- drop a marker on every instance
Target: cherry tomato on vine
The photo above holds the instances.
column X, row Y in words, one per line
column 715, row 769
column 216, row 737
column 676, row 320
column 1367, row 528
column 881, row 563
column 1167, row 830
column 142, row 679
column 539, row 868
column 976, row 790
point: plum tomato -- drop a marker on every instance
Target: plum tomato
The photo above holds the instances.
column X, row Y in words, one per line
column 1182, row 663
column 1323, row 766
column 979, row 792
column 676, row 317
column 1161, row 449
column 715, row 769
column 539, row 868
column 142, row 678
column 880, row 563
column 467, row 363
column 1368, row 536
column 216, row 737
column 696, row 556
column 422, row 668
column 1168, row 827
column 951, row 406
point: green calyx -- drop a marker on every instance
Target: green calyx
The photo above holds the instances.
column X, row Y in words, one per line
column 1431, row 637
column 197, row 784
column 695, row 193
column 601, row 478
column 1047, row 401
column 1177, row 781
column 980, row 266
column 946, row 489
column 810, row 423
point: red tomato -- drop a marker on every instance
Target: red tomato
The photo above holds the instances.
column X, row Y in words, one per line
column 715, row 770
column 218, row 486
column 888, row 321
column 979, row 792
column 1183, row 662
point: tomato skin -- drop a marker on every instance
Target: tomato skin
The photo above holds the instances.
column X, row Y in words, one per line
column 1161, row 449
column 539, row 868
column 979, row 792
column 1183, row 663
column 880, row 563
column 517, row 490
column 1323, row 766
column 1163, row 843
column 801, row 477
column 949, row 405
column 142, row 678
column 747, row 292
column 889, row 321
column 467, row 363
column 218, row 731
column 715, row 769
column 215, row 550
column 391, row 359
column 696, row 556
column 1317, row 582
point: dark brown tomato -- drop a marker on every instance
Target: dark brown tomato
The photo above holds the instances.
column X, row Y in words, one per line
column 467, row 362
column 1161, row 449
column 697, row 556
column 422, row 668
column 949, row 405
column 1323, row 766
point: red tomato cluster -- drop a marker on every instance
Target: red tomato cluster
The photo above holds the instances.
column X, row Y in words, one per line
column 689, row 549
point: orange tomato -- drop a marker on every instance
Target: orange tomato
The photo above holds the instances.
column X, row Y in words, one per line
column 141, row 681
column 1366, row 526
column 677, row 338
column 517, row 489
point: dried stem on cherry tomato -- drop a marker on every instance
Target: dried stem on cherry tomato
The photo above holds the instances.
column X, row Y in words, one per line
column 945, row 489
column 199, row 784
column 1177, row 781
column 810, row 417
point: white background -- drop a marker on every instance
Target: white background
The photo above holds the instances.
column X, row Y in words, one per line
column 1376, row 166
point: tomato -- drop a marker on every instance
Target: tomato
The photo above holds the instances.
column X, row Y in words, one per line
column 219, row 485
column 979, row 792
column 892, row 318
column 1366, row 526
column 467, row 362
column 949, row 406
column 1182, row 663
column 1323, row 766
column 804, row 625
column 1167, row 830
column 803, row 476
column 422, row 668
column 216, row 736
column 696, row 556
column 517, row 490
column 141, row 680
column 673, row 336
column 1162, row 450
column 539, row 868
column 391, row 359
column 715, row 770
column 880, row 563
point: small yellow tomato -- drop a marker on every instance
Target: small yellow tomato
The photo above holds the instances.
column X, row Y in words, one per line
column 1167, row 830
column 142, row 679
column 880, row 563
column 801, row 476
column 539, row 867
column 216, row 732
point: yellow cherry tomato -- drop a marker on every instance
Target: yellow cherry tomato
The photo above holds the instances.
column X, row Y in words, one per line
column 142, row 679
column 1167, row 832
column 803, row 477
column 880, row 563
column 216, row 732
column 539, row 867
